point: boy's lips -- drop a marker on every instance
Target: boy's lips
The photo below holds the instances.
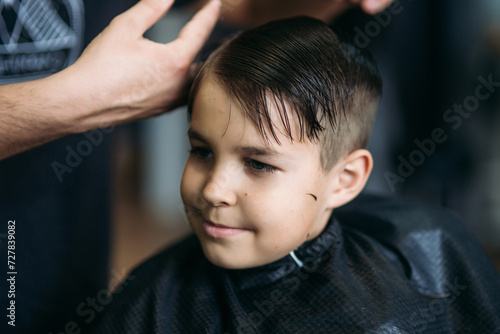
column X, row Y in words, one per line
column 221, row 231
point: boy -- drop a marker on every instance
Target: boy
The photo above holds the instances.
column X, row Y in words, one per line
column 280, row 116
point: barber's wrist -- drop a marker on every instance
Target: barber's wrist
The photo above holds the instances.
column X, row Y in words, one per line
column 76, row 106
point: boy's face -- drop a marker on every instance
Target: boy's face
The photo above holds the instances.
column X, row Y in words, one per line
column 248, row 203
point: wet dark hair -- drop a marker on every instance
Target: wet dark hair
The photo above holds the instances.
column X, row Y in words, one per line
column 331, row 87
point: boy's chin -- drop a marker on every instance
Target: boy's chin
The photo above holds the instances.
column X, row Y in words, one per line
column 226, row 264
column 233, row 261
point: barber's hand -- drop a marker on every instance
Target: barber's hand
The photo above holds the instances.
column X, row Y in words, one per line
column 121, row 76
column 373, row 6
column 251, row 13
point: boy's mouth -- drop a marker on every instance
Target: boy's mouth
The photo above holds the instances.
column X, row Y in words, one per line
column 221, row 231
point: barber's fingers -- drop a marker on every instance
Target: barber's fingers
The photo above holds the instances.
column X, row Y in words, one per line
column 375, row 6
column 144, row 14
column 196, row 32
column 193, row 70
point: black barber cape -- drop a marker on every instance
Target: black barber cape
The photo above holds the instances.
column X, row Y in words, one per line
column 380, row 266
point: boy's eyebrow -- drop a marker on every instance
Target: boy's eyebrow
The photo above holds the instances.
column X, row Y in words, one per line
column 248, row 150
column 259, row 151
column 192, row 134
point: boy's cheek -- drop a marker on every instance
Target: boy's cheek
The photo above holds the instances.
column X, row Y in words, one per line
column 184, row 189
column 189, row 198
column 189, row 183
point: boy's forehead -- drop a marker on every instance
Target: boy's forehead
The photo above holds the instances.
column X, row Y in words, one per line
column 212, row 94
column 280, row 113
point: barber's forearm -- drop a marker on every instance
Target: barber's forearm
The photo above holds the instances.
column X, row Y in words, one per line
column 32, row 114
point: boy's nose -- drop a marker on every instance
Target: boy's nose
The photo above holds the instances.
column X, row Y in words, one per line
column 218, row 189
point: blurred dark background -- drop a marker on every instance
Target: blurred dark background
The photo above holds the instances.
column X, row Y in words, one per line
column 436, row 137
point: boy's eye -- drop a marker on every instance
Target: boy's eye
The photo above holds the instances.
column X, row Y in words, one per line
column 260, row 167
column 201, row 153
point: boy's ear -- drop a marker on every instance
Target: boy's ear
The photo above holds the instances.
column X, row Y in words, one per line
column 348, row 177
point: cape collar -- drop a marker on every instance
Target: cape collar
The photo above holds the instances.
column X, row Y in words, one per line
column 307, row 256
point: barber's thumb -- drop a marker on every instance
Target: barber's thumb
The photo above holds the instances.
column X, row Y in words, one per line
column 193, row 71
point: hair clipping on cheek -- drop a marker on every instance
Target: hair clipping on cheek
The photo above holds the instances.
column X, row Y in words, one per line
column 314, row 196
